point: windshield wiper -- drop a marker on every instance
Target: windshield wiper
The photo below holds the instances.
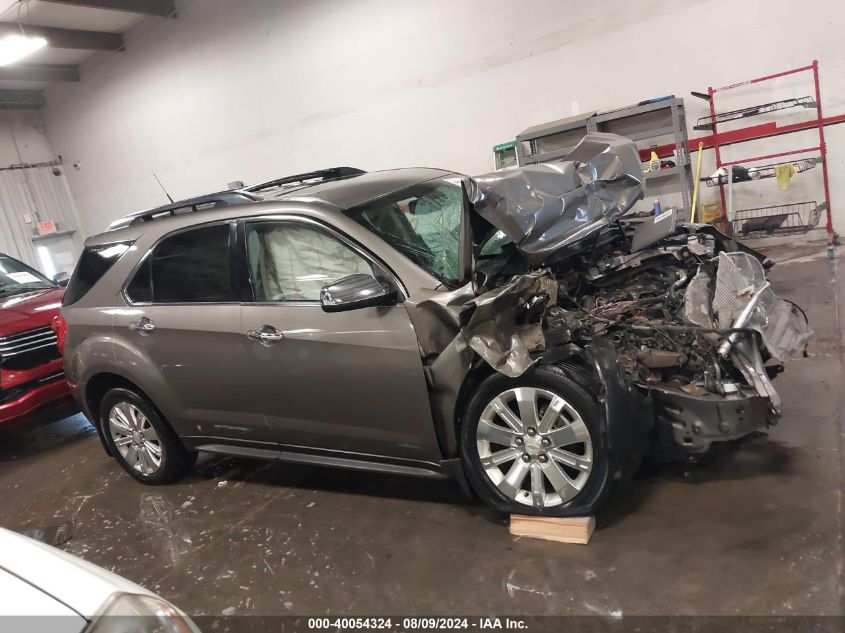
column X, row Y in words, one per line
column 8, row 292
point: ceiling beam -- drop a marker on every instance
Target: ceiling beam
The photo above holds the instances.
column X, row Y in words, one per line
column 70, row 38
column 160, row 8
column 39, row 72
column 21, row 99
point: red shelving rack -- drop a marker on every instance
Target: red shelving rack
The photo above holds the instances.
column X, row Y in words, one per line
column 819, row 122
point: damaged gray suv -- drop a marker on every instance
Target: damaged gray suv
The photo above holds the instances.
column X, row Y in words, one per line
column 522, row 332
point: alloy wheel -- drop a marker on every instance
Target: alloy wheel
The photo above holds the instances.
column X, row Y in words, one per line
column 534, row 447
column 135, row 438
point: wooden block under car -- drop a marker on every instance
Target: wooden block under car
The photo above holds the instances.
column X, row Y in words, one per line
column 563, row 530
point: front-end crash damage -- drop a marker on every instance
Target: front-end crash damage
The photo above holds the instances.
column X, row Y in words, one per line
column 676, row 323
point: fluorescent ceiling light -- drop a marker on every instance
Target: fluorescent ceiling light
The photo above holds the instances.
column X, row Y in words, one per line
column 15, row 47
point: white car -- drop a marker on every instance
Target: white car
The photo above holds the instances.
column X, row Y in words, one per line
column 40, row 580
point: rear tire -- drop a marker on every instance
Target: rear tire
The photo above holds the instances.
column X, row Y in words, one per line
column 140, row 440
column 521, row 461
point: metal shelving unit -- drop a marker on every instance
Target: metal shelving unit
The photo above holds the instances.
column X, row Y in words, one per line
column 551, row 141
column 647, row 124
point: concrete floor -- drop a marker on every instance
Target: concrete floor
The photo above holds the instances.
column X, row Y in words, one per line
column 757, row 530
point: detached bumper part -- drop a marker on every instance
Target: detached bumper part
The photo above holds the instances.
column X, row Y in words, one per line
column 696, row 421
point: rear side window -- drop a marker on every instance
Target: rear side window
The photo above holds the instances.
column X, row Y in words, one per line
column 93, row 264
column 140, row 289
column 190, row 267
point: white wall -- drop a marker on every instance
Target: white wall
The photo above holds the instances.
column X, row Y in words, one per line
column 23, row 138
column 30, row 195
column 260, row 88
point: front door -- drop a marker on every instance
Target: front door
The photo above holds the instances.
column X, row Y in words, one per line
column 348, row 381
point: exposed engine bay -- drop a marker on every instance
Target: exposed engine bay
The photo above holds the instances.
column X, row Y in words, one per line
column 691, row 321
column 676, row 321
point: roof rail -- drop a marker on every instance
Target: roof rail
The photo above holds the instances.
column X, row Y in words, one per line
column 233, row 197
column 321, row 175
column 228, row 198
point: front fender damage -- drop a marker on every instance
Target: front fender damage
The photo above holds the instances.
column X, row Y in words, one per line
column 675, row 324
column 455, row 329
column 544, row 209
column 502, row 328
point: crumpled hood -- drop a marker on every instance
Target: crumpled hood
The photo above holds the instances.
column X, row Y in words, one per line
column 548, row 206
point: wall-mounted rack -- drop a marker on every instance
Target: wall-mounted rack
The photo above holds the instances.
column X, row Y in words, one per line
column 786, row 219
column 706, row 122
column 761, row 172
column 818, row 122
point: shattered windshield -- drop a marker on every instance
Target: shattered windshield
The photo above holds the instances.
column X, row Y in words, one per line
column 495, row 245
column 421, row 222
column 16, row 277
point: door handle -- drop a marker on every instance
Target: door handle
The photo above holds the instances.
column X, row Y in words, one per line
column 143, row 326
column 266, row 335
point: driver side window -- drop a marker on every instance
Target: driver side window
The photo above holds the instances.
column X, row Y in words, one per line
column 292, row 261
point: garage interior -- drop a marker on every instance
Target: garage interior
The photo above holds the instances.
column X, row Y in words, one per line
column 132, row 102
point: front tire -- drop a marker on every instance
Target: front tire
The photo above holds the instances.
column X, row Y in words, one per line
column 535, row 444
column 141, row 441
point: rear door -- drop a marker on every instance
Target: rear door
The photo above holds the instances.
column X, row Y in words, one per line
column 347, row 381
column 185, row 323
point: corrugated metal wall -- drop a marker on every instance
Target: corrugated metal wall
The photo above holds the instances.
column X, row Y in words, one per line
column 39, row 193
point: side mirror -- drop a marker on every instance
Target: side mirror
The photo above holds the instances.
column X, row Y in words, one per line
column 356, row 291
column 62, row 279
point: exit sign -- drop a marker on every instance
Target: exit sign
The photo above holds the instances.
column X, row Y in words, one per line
column 46, row 227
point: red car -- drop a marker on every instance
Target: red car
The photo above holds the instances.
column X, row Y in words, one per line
column 31, row 375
